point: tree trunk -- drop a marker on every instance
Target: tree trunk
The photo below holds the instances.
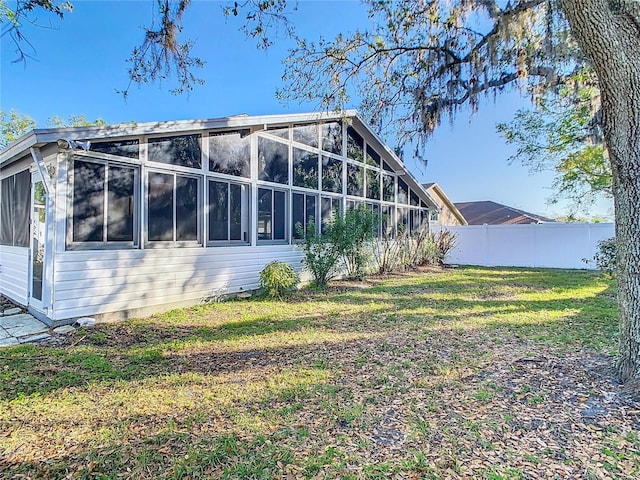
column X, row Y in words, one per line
column 608, row 33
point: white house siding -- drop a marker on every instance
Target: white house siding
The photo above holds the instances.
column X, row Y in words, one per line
column 14, row 273
column 153, row 280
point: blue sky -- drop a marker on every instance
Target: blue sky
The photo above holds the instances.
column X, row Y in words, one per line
column 81, row 61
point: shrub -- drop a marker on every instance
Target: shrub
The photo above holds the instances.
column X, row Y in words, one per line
column 353, row 236
column 277, row 277
column 444, row 241
column 605, row 257
column 320, row 255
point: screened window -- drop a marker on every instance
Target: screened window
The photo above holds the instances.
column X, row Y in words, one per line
column 388, row 188
column 403, row 220
column 388, row 221
column 307, row 134
column 414, row 199
column 183, row 150
column 332, row 137
column 172, row 213
column 122, row 148
column 415, row 221
column 103, row 203
column 15, row 208
column 230, row 153
column 355, row 180
column 273, row 165
column 279, row 131
column 330, row 207
column 305, row 169
column 373, row 184
column 434, row 215
column 271, row 214
column 403, row 191
column 331, row 175
column 372, row 157
column 374, row 208
column 228, row 212
column 304, row 212
column 387, row 167
column 355, row 145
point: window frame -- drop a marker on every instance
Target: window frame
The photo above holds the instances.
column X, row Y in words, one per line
column 245, row 215
column 316, row 215
column 70, row 244
column 287, row 216
column 199, row 211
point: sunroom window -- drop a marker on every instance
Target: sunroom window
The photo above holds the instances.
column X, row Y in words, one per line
column 355, row 145
column 228, row 212
column 103, row 204
column 182, row 150
column 330, row 207
column 15, row 204
column 403, row 192
column 305, row 168
column 273, row 161
column 373, row 184
column 355, row 180
column 373, row 158
column 272, row 215
column 172, row 213
column 304, row 212
column 306, row 134
column 388, row 188
column 332, row 174
column 230, row 153
column 332, row 137
column 121, row 148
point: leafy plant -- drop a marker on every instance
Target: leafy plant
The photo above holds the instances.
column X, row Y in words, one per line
column 320, row 255
column 353, row 236
column 605, row 257
column 277, row 277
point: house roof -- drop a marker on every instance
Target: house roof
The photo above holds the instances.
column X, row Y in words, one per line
column 492, row 213
column 437, row 190
column 40, row 137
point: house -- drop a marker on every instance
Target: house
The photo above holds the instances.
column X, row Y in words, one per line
column 447, row 214
column 132, row 219
column 492, row 213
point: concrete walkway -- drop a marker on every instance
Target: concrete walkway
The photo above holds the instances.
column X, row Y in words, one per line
column 22, row 328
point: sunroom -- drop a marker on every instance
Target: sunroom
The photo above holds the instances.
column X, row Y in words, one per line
column 132, row 219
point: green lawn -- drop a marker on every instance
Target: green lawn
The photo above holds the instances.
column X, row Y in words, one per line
column 466, row 373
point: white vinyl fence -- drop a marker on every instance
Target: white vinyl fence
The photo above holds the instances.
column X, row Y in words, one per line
column 552, row 245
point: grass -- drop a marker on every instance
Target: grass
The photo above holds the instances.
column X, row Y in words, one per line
column 474, row 372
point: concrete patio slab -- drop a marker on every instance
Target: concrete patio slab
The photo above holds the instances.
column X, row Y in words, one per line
column 8, row 341
column 22, row 325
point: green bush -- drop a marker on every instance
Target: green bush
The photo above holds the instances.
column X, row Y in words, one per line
column 320, row 255
column 605, row 257
column 277, row 277
column 353, row 236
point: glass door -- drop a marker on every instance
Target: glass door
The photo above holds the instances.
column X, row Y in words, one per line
column 38, row 216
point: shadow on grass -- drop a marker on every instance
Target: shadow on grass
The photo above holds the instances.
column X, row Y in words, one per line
column 140, row 349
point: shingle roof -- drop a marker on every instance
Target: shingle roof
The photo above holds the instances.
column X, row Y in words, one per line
column 492, row 213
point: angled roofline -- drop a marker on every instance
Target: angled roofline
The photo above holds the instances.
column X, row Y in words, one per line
column 450, row 205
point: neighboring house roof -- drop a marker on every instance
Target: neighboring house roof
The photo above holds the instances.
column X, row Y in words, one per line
column 492, row 213
column 436, row 192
